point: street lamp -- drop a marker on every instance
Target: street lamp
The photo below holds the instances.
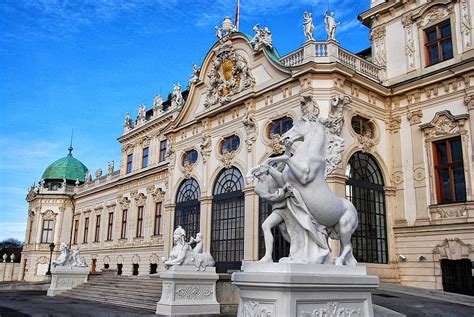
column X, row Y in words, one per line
column 51, row 249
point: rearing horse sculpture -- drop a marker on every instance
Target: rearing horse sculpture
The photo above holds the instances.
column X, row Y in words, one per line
column 299, row 180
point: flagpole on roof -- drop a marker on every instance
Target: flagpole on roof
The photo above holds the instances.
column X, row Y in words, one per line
column 237, row 13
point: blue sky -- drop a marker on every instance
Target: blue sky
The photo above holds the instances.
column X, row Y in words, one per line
column 81, row 64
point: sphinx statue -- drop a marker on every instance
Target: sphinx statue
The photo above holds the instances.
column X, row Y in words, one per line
column 183, row 254
column 68, row 258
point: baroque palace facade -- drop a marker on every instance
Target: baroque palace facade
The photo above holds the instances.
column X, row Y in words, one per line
column 408, row 109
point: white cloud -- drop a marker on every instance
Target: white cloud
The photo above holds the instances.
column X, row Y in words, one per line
column 12, row 230
column 348, row 25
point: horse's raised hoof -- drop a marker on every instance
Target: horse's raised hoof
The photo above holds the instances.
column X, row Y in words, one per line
column 265, row 259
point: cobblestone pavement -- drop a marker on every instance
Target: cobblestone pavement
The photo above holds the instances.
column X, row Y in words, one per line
column 36, row 303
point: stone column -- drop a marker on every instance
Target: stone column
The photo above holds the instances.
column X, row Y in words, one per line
column 419, row 173
column 168, row 229
column 206, row 221
column 250, row 224
column 393, row 125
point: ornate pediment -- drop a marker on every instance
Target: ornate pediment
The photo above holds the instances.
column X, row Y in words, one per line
column 432, row 12
column 229, row 75
column 124, row 202
column 453, row 249
column 444, row 124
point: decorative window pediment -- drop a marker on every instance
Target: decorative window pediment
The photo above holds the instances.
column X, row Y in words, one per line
column 49, row 215
column 433, row 12
column 453, row 249
column 444, row 124
column 124, row 202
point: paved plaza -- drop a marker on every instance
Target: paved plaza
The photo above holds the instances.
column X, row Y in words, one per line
column 36, row 303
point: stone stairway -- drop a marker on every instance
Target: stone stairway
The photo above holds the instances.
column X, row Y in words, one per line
column 142, row 292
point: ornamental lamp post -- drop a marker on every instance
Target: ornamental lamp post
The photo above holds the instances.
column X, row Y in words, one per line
column 51, row 249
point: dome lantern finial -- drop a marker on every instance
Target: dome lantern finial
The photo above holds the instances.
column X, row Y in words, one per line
column 70, row 148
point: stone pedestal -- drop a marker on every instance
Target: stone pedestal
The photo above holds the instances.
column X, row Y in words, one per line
column 65, row 278
column 306, row 290
column 188, row 292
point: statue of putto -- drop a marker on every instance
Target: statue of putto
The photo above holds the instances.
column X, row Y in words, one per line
column 308, row 26
column 68, row 258
column 331, row 25
column 157, row 104
column 229, row 75
column 262, row 38
column 88, row 177
column 177, row 100
column 195, row 76
column 183, row 254
column 304, row 207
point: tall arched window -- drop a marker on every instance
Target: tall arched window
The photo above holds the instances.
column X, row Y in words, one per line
column 187, row 210
column 227, row 228
column 281, row 247
column 365, row 189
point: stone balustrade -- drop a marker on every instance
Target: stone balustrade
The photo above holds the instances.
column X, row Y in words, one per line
column 330, row 52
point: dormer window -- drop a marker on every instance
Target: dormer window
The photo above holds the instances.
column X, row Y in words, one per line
column 439, row 45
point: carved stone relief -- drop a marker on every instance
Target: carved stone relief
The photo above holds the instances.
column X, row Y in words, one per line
column 465, row 24
column 140, row 199
column 433, row 15
column 206, row 147
column 377, row 36
column 251, row 128
column 366, row 143
column 444, row 212
column 256, row 309
column 410, row 47
column 124, row 202
column 397, row 177
column 49, row 215
column 394, row 123
column 157, row 194
column 229, row 75
column 227, row 159
column 332, row 309
column 193, row 292
column 187, row 170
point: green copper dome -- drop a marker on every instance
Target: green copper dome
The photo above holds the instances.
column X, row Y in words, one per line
column 67, row 167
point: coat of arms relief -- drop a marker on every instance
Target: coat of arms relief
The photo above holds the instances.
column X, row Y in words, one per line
column 229, row 75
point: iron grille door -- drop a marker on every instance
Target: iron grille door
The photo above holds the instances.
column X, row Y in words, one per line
column 188, row 208
column 227, row 228
column 457, row 276
column 365, row 189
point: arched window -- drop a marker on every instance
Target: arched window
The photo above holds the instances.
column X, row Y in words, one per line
column 227, row 228
column 187, row 210
column 365, row 189
column 281, row 247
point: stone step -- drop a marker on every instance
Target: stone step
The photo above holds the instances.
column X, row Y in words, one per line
column 118, row 293
column 139, row 298
column 127, row 281
column 156, row 286
column 144, row 305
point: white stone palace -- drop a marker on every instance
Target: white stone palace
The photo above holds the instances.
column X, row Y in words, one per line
column 408, row 125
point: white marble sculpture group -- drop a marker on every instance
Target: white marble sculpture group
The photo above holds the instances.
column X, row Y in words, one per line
column 69, row 258
column 183, row 254
column 304, row 207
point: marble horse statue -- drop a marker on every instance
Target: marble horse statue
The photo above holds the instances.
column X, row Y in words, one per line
column 304, row 207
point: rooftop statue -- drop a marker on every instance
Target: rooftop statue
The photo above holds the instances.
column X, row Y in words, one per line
column 110, row 167
column 157, row 103
column 68, row 258
column 262, row 37
column 177, row 99
column 308, row 26
column 195, row 76
column 304, row 207
column 142, row 112
column 128, row 121
column 331, row 25
column 183, row 254
column 227, row 28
